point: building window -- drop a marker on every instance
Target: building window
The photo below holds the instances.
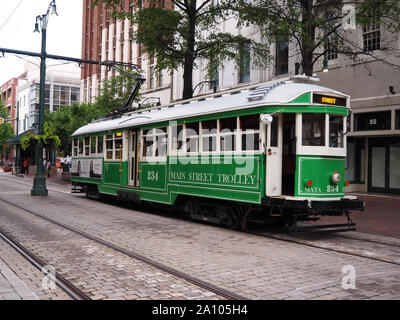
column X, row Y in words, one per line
column 372, row 36
column 313, row 129
column 160, row 79
column 152, row 78
column 369, row 121
column 355, row 162
column 282, row 56
column 331, row 49
column 244, row 71
column 214, row 83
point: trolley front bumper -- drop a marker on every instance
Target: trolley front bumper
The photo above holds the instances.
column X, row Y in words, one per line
column 315, row 206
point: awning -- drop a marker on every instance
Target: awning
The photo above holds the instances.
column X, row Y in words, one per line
column 17, row 139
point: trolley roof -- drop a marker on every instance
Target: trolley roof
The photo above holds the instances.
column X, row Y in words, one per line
column 270, row 93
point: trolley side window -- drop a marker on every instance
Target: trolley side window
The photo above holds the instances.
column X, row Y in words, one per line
column 209, row 133
column 313, row 132
column 336, row 131
column 161, row 139
column 109, row 146
column 93, row 143
column 75, row 150
column 192, row 137
column 100, row 142
column 148, row 143
column 228, row 129
column 250, row 132
column 80, row 149
column 118, row 144
column 177, row 137
column 87, row 146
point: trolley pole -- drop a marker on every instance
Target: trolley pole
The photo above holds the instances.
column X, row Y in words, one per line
column 39, row 181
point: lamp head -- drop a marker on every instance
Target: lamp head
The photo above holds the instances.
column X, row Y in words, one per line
column 36, row 27
column 54, row 8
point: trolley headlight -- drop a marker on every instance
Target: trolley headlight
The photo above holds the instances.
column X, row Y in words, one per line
column 335, row 177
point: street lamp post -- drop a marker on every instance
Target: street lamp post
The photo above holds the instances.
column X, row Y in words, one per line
column 39, row 182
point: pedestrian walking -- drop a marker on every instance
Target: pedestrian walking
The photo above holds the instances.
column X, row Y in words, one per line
column 48, row 167
column 26, row 166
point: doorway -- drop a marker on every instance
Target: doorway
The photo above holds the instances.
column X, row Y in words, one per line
column 288, row 153
column 383, row 165
column 133, row 179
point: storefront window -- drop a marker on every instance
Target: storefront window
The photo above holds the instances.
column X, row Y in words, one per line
column 355, row 162
column 313, row 129
column 397, row 121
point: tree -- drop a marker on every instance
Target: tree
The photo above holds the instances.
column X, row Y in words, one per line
column 184, row 35
column 317, row 26
column 116, row 91
column 6, row 130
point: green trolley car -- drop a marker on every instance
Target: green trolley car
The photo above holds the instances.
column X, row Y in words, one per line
column 274, row 153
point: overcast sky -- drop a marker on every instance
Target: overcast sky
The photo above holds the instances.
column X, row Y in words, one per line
column 64, row 32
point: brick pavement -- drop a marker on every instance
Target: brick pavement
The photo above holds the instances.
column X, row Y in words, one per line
column 252, row 266
column 99, row 271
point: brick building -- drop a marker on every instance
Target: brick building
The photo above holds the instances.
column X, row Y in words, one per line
column 105, row 38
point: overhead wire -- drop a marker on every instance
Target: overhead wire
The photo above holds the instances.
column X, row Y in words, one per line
column 11, row 14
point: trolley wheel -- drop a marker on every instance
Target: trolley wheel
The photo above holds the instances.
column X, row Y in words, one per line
column 230, row 216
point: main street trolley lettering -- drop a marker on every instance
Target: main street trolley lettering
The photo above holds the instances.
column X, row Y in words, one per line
column 276, row 154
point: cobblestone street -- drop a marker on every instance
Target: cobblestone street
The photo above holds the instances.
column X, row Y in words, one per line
column 252, row 266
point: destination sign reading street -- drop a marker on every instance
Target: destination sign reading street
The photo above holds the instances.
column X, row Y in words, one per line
column 335, row 101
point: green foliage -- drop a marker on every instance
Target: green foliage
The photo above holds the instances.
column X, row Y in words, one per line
column 6, row 130
column 115, row 92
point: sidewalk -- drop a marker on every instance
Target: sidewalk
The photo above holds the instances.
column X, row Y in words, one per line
column 13, row 287
column 381, row 215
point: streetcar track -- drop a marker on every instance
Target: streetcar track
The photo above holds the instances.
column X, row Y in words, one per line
column 196, row 281
column 307, row 232
column 61, row 282
column 275, row 236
